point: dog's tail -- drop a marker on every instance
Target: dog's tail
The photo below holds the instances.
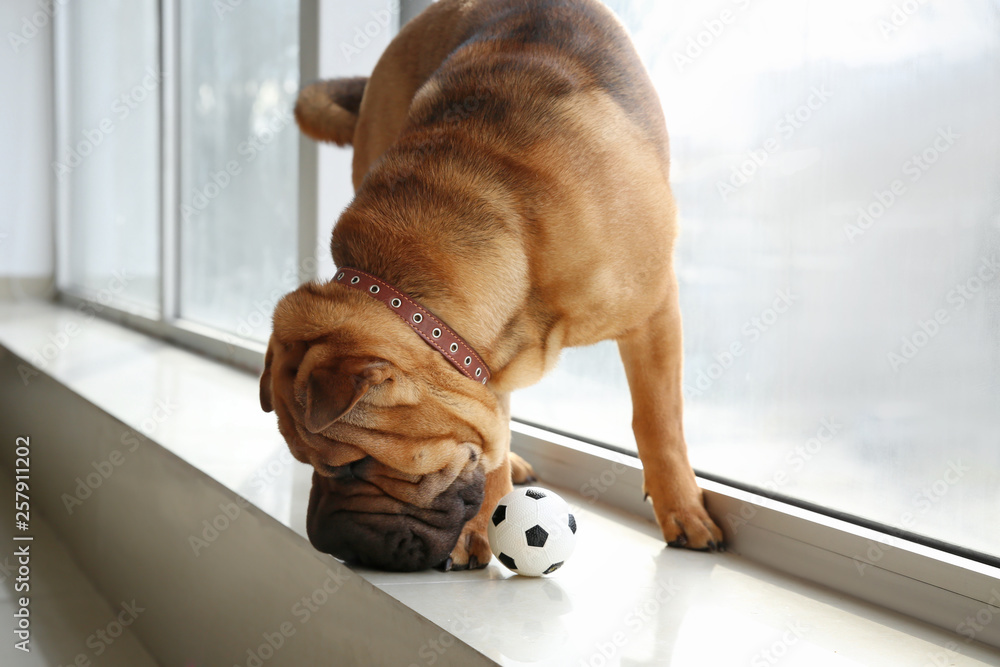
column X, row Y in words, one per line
column 328, row 110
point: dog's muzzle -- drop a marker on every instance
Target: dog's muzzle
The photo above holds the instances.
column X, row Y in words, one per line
column 352, row 519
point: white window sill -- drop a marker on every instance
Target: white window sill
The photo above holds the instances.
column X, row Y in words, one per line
column 622, row 599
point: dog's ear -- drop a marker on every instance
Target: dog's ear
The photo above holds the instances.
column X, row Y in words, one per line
column 332, row 391
column 265, row 379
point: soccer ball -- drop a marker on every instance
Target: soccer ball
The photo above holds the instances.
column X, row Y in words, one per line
column 532, row 531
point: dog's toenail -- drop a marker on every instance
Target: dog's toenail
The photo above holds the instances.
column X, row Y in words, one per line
column 679, row 542
column 473, row 562
column 448, row 564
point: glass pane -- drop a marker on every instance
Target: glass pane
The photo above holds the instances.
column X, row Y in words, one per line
column 837, row 171
column 238, row 156
column 110, row 162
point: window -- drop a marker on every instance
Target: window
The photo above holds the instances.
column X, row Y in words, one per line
column 107, row 157
column 222, row 248
column 837, row 172
column 239, row 76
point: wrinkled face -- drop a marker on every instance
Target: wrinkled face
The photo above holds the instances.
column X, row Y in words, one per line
column 400, row 442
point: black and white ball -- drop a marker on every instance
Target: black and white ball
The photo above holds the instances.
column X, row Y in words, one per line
column 532, row 531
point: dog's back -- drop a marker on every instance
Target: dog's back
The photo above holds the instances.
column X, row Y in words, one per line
column 527, row 138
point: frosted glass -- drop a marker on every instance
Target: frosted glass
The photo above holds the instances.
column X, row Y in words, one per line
column 109, row 162
column 837, row 171
column 238, row 162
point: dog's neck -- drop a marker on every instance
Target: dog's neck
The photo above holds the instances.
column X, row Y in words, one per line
column 475, row 287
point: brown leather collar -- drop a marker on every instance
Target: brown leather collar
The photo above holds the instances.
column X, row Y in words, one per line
column 436, row 333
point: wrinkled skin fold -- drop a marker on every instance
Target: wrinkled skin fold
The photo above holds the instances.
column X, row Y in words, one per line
column 350, row 518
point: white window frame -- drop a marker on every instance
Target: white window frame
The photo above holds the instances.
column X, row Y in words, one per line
column 911, row 576
column 917, row 580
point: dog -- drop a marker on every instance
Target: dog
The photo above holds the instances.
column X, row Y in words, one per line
column 511, row 175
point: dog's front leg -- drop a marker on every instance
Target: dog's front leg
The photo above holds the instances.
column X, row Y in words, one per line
column 472, row 550
column 653, row 357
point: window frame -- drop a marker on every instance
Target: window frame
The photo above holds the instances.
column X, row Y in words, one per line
column 916, row 579
column 932, row 585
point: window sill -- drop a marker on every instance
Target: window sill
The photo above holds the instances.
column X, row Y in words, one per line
column 622, row 598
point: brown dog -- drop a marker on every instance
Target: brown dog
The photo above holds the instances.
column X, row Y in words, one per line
column 511, row 175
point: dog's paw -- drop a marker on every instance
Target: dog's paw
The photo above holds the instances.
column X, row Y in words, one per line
column 521, row 471
column 471, row 552
column 687, row 524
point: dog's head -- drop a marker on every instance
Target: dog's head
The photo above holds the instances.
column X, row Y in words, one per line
column 400, row 442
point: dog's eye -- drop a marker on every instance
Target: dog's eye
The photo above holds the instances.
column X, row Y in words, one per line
column 335, row 471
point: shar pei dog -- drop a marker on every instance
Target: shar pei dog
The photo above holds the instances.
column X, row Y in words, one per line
column 512, row 198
